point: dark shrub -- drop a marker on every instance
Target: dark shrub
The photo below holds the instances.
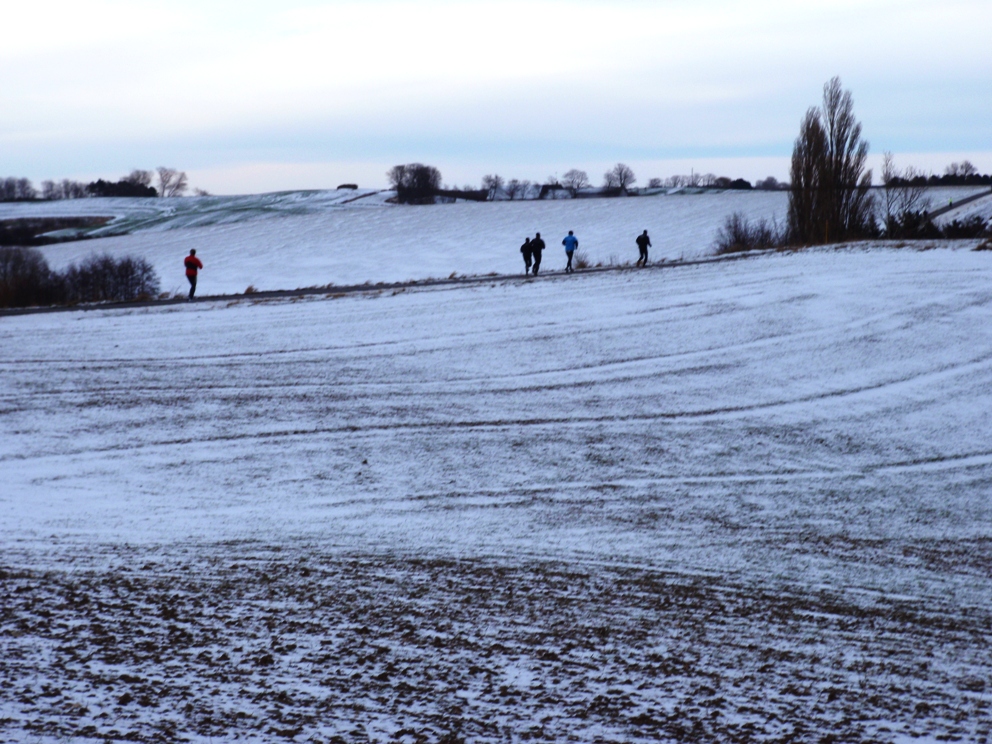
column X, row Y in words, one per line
column 25, row 279
column 415, row 183
column 740, row 234
column 911, row 225
column 974, row 227
column 104, row 278
column 121, row 188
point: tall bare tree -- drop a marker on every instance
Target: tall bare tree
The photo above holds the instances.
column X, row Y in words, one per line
column 492, row 185
column 574, row 180
column 903, row 190
column 619, row 177
column 829, row 199
column 139, row 177
column 171, row 182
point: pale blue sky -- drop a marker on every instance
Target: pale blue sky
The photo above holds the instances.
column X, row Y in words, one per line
column 256, row 96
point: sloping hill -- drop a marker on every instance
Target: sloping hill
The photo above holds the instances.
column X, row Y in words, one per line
column 736, row 502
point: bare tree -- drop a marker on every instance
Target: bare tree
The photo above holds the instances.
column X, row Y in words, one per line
column 166, row 177
column 171, row 182
column 707, row 179
column 139, row 178
column 903, row 192
column 964, row 168
column 829, row 199
column 415, row 183
column 65, row 189
column 620, row 177
column 512, row 188
column 395, row 176
column 574, row 180
column 17, row 189
column 73, row 189
column 655, row 183
column 492, row 185
column 180, row 185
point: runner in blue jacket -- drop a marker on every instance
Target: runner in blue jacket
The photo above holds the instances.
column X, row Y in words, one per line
column 571, row 243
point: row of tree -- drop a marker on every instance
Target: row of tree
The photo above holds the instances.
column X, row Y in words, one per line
column 416, row 183
column 27, row 280
column 138, row 183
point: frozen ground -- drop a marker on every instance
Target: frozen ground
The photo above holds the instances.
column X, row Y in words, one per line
column 732, row 502
column 305, row 239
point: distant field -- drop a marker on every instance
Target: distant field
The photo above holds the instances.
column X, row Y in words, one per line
column 298, row 239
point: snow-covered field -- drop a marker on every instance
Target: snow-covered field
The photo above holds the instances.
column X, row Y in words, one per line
column 305, row 239
column 744, row 501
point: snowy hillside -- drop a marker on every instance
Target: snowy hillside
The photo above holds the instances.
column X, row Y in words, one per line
column 730, row 502
column 300, row 239
column 284, row 249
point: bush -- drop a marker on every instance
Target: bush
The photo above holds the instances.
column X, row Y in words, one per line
column 104, row 279
column 121, row 188
column 911, row 225
column 740, row 234
column 415, row 183
column 918, row 226
column 26, row 280
column 974, row 227
column 581, row 260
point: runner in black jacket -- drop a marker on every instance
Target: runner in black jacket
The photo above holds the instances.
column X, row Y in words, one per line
column 643, row 241
column 536, row 246
column 527, row 251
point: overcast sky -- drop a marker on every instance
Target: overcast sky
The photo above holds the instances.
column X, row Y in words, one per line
column 251, row 96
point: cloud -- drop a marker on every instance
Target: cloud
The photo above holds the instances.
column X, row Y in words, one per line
column 218, row 84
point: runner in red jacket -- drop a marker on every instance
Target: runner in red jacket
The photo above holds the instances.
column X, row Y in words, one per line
column 193, row 264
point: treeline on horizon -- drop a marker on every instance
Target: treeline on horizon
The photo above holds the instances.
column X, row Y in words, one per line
column 138, row 183
column 417, row 183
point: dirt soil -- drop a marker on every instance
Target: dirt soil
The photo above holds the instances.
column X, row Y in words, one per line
column 256, row 643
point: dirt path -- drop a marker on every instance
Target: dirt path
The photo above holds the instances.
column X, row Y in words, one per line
column 958, row 204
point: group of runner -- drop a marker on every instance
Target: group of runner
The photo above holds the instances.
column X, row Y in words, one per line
column 532, row 250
